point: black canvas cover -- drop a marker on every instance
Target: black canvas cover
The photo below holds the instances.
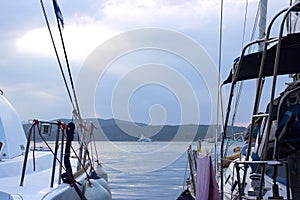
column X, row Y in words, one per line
column 289, row 62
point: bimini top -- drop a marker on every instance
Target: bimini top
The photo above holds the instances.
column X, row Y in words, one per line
column 289, row 62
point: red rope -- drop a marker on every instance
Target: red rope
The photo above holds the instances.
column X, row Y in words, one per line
column 49, row 147
column 76, row 155
column 83, row 129
column 60, row 162
column 65, row 127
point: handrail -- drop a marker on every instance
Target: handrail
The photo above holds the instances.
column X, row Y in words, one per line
column 61, row 156
column 234, row 80
column 55, row 153
column 294, row 7
column 26, row 155
column 258, row 91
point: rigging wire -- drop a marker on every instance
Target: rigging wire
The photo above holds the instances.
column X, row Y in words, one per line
column 219, row 60
column 245, row 22
column 68, row 67
column 255, row 25
column 56, row 54
column 240, row 85
column 76, row 110
column 218, row 98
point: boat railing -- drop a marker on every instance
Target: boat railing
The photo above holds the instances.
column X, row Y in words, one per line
column 60, row 131
column 294, row 8
column 39, row 124
column 234, row 80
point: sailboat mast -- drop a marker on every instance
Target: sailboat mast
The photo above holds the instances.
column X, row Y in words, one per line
column 262, row 22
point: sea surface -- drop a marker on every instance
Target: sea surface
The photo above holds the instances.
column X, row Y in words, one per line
column 147, row 170
column 144, row 171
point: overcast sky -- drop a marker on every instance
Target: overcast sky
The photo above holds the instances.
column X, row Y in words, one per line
column 31, row 80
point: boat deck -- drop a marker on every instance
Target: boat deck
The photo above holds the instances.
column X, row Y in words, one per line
column 36, row 183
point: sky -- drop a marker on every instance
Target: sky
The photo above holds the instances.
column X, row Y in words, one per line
column 161, row 58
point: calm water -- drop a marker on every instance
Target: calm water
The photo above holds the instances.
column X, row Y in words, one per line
column 145, row 171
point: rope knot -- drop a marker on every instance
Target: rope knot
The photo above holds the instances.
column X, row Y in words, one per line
column 36, row 122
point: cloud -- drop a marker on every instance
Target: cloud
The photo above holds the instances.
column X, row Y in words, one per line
column 196, row 14
column 84, row 32
column 177, row 14
column 79, row 39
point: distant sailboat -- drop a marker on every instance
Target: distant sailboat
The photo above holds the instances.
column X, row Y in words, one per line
column 144, row 139
column 210, row 140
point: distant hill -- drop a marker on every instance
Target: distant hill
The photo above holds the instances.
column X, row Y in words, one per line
column 119, row 130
